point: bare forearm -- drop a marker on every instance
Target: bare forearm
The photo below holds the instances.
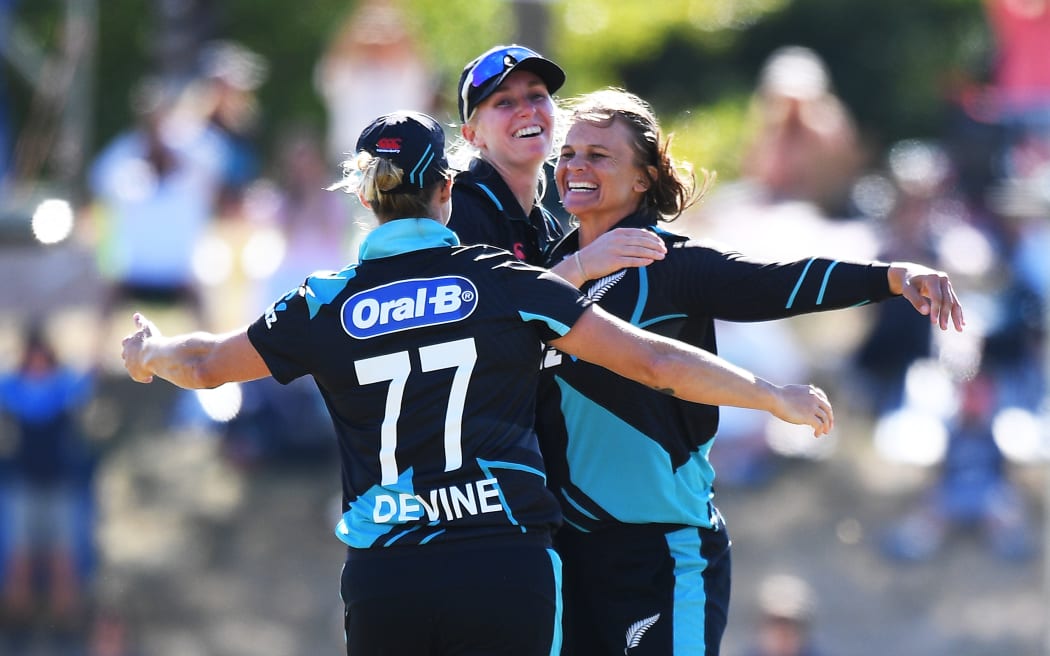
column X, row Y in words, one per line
column 689, row 373
column 692, row 374
column 181, row 360
column 195, row 360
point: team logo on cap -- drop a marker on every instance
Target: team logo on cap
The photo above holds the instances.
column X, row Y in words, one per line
column 389, row 145
column 408, row 304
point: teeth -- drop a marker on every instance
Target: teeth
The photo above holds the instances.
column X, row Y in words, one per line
column 582, row 186
column 530, row 131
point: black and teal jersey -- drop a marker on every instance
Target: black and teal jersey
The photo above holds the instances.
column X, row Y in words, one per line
column 618, row 451
column 427, row 355
column 485, row 211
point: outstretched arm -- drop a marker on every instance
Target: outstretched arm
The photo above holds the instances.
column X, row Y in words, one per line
column 689, row 373
column 929, row 290
column 193, row 361
column 614, row 250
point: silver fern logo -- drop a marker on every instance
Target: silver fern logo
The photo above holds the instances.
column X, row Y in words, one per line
column 602, row 285
column 637, row 630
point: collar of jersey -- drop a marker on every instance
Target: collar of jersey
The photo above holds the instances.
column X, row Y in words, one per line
column 571, row 241
column 404, row 236
column 484, row 174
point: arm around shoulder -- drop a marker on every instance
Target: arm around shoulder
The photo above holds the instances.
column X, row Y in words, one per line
column 687, row 372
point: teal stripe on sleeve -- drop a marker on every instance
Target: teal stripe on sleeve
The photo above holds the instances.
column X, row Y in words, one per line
column 824, row 283
column 798, row 285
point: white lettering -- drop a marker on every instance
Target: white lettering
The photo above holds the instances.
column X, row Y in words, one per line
column 489, row 489
column 369, row 306
column 409, row 508
column 463, row 500
column 402, row 309
column 421, row 302
column 445, row 503
column 446, row 299
column 443, row 494
column 381, row 516
column 433, row 511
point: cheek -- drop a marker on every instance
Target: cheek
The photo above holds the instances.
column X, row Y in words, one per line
column 559, row 174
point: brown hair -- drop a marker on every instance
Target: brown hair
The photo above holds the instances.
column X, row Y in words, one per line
column 673, row 188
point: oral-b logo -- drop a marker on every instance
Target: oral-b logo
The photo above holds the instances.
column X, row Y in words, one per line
column 408, row 304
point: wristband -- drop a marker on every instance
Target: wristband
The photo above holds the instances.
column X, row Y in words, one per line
column 579, row 264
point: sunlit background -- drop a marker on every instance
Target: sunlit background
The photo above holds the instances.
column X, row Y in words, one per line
column 206, row 517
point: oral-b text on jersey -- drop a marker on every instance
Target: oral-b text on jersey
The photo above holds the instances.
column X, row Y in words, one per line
column 408, row 304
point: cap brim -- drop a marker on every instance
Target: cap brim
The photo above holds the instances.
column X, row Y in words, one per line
column 552, row 75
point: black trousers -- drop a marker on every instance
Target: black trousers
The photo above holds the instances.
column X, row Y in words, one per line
column 645, row 590
column 454, row 599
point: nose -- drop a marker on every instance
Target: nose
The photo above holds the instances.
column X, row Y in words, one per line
column 575, row 162
column 527, row 108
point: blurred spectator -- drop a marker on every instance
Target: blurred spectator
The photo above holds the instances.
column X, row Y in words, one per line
column 919, row 173
column 6, row 140
column 230, row 75
column 972, row 490
column 802, row 158
column 1020, row 74
column 374, row 49
column 786, row 608
column 111, row 635
column 314, row 224
column 155, row 188
column 806, row 145
column 312, row 230
column 46, row 489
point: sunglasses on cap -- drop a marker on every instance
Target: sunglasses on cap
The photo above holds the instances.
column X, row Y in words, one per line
column 496, row 62
column 481, row 77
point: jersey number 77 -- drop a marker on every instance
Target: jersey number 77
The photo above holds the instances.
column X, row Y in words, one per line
column 460, row 355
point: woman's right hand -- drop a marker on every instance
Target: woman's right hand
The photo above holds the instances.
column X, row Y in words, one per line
column 806, row 405
column 614, row 250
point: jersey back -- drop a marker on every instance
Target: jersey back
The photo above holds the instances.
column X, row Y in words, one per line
column 431, row 383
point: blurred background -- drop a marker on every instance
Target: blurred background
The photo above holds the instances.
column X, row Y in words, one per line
column 170, row 156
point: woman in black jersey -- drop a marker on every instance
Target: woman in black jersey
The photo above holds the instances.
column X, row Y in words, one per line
column 509, row 121
column 427, row 354
column 646, row 552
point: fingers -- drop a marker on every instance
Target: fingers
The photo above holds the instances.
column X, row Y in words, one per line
column 945, row 307
column 143, row 324
column 131, row 349
column 620, row 248
column 933, row 295
column 808, row 405
column 824, row 413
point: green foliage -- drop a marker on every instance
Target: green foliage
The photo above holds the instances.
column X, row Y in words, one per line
column 711, row 137
column 695, row 60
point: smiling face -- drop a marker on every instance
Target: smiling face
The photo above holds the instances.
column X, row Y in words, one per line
column 598, row 175
column 513, row 128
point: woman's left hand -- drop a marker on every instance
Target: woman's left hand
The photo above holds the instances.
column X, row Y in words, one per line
column 929, row 291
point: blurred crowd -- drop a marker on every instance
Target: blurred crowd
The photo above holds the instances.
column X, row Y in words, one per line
column 185, row 211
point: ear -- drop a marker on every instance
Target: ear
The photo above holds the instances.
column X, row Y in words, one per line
column 445, row 192
column 361, row 197
column 643, row 183
column 468, row 132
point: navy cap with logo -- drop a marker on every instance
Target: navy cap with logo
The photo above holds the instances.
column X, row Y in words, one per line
column 413, row 141
column 482, row 76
